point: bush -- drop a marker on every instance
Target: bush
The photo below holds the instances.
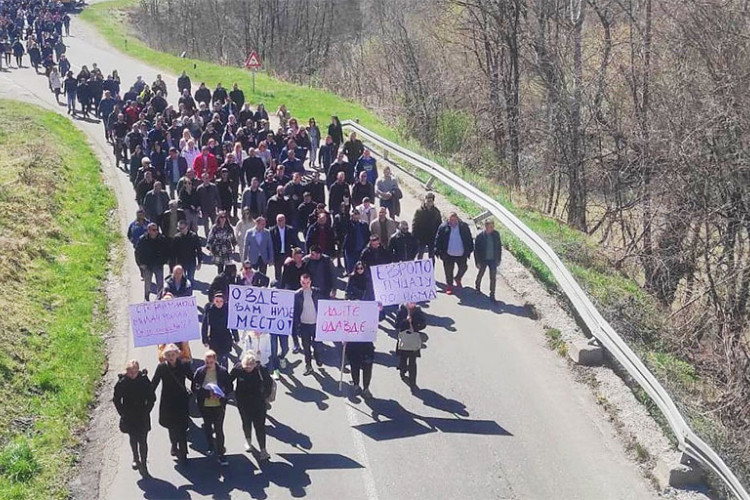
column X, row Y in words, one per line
column 17, row 461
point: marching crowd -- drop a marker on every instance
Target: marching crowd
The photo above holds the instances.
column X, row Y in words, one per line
column 300, row 198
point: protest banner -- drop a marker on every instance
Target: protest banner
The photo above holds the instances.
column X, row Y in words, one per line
column 411, row 281
column 267, row 310
column 346, row 321
column 165, row 321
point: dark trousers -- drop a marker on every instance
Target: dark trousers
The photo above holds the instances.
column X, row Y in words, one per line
column 483, row 266
column 365, row 368
column 448, row 263
column 260, row 266
column 254, row 419
column 139, row 446
column 278, row 266
column 309, row 344
column 426, row 249
column 408, row 364
column 178, row 438
column 213, row 426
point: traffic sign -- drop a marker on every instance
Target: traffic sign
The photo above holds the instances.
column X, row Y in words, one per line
column 252, row 61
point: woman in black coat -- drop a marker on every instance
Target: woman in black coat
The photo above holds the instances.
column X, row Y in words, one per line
column 409, row 317
column 337, row 134
column 357, row 285
column 254, row 386
column 174, row 412
column 134, row 398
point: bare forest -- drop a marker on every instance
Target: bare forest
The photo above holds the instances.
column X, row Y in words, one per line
column 628, row 120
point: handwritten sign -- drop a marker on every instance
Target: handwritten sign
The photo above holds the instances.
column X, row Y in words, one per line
column 411, row 281
column 267, row 310
column 346, row 321
column 164, row 321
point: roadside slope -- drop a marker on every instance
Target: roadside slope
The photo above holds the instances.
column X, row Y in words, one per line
column 55, row 238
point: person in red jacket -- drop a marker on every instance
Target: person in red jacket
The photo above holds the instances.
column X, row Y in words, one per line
column 206, row 162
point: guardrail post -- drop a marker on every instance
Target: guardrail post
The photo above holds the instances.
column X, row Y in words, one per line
column 430, row 182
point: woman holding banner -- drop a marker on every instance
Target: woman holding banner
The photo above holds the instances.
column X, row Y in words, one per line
column 254, row 387
column 174, row 412
column 410, row 320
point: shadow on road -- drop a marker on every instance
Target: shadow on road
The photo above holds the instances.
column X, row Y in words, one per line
column 393, row 421
column 304, row 394
column 208, row 478
column 286, row 434
column 469, row 298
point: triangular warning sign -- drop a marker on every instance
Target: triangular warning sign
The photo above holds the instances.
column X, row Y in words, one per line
column 252, row 61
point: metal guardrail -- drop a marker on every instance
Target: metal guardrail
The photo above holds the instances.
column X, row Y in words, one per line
column 688, row 441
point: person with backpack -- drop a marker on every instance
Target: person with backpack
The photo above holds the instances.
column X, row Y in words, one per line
column 253, row 391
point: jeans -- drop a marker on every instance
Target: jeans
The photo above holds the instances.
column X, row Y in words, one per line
column 448, row 263
column 309, row 344
column 191, row 216
column 148, row 273
column 189, row 271
column 213, row 426
column 208, row 221
column 273, row 363
column 483, row 266
column 260, row 266
column 408, row 364
column 71, row 96
column 138, row 442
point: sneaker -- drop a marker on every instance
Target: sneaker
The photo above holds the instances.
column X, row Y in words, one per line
column 282, row 363
column 223, row 461
column 458, row 284
column 209, row 452
column 297, row 349
column 449, row 290
column 366, row 394
column 135, row 465
column 275, row 375
column 248, row 446
column 308, row 370
column 264, row 455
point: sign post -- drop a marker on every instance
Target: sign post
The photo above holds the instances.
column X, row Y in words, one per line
column 253, row 63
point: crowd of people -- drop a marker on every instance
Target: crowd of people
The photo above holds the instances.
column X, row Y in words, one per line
column 314, row 206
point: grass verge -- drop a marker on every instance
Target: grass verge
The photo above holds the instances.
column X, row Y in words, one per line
column 631, row 311
column 55, row 237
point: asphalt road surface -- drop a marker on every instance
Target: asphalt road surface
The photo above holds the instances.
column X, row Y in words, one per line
column 499, row 415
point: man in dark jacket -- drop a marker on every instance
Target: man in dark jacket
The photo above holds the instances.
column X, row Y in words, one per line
column 362, row 189
column 320, row 268
column 321, row 235
column 403, row 245
column 454, row 245
column 357, row 236
column 170, row 218
column 212, row 401
column 183, row 83
column 221, row 282
column 339, row 192
column 186, row 250
column 278, row 204
column 305, row 314
column 215, row 333
column 488, row 252
column 427, row 220
column 151, row 253
column 284, row 238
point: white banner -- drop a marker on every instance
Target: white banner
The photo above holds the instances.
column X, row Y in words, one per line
column 347, row 321
column 411, row 281
column 165, row 321
column 267, row 310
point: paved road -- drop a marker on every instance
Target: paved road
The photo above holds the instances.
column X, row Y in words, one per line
column 499, row 416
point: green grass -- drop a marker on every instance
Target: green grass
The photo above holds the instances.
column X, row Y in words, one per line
column 55, row 237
